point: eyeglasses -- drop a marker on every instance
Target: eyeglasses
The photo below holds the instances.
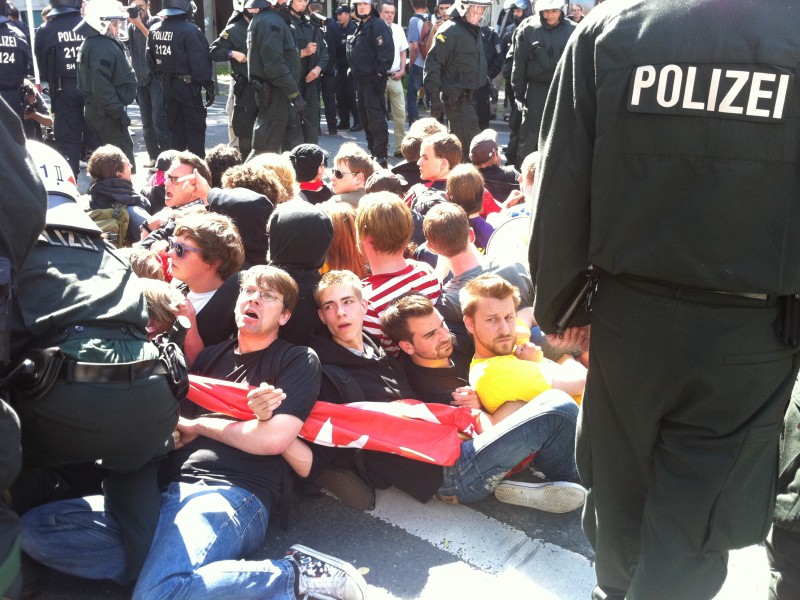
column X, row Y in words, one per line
column 339, row 174
column 266, row 297
column 173, row 179
column 181, row 249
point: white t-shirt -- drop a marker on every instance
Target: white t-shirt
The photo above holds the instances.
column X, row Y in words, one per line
column 400, row 44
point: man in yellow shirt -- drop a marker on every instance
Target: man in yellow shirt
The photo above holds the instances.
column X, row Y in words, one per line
column 502, row 370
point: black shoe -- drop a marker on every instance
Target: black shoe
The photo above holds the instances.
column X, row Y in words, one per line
column 382, row 162
column 357, row 127
column 398, row 155
column 342, row 125
column 348, row 487
column 333, row 131
column 320, row 575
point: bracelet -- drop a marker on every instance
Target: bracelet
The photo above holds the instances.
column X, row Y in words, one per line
column 230, row 53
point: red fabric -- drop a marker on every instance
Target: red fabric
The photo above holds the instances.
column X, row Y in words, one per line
column 490, row 205
column 311, row 186
column 410, row 428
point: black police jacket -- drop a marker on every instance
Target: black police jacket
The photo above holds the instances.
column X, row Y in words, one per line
column 370, row 51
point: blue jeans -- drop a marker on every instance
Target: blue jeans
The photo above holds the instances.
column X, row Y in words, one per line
column 412, row 92
column 202, row 532
column 544, row 426
column 153, row 111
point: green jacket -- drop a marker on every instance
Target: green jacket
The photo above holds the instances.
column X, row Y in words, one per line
column 305, row 32
column 456, row 61
column 272, row 52
column 105, row 77
column 233, row 37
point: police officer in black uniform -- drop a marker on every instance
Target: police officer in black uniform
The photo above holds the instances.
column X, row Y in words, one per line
column 21, row 221
column 328, row 78
column 313, row 60
column 179, row 54
column 231, row 45
column 670, row 147
column 56, row 46
column 273, row 64
column 487, row 93
column 100, row 392
column 14, row 57
column 370, row 52
column 344, row 27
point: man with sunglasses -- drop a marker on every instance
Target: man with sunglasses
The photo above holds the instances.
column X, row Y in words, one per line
column 353, row 168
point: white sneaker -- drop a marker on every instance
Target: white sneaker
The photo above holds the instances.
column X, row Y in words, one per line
column 551, row 496
column 326, row 577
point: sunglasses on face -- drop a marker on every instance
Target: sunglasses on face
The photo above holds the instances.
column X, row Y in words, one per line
column 180, row 249
column 339, row 174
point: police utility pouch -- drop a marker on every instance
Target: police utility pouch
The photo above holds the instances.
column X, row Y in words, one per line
column 580, row 300
column 171, row 356
column 787, row 325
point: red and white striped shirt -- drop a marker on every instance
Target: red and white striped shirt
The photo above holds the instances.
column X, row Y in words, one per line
column 380, row 290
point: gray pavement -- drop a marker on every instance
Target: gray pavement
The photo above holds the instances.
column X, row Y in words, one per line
column 407, row 550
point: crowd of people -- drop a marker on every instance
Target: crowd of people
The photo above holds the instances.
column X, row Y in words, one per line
column 259, row 263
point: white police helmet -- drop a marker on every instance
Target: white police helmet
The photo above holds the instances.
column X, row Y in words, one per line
column 461, row 7
column 62, row 191
column 100, row 14
column 551, row 5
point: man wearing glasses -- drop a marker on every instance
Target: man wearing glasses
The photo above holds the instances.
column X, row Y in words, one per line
column 353, row 168
column 226, row 478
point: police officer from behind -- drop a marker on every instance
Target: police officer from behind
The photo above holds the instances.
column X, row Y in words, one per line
column 105, row 76
column 56, row 46
column 15, row 54
column 231, row 45
column 313, row 60
column 21, row 221
column 370, row 53
column 539, row 42
column 455, row 68
column 100, row 392
column 667, row 134
column 178, row 52
column 274, row 68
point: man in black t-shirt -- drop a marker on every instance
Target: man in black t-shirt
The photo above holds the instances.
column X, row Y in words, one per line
column 225, row 477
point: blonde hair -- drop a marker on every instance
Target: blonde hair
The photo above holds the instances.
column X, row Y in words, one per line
column 282, row 167
column 163, row 303
column 488, row 285
column 386, row 219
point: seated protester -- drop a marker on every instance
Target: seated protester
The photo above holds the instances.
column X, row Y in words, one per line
column 147, row 264
column 261, row 181
column 281, row 167
column 501, row 371
column 310, row 161
column 384, row 225
column 180, row 197
column 231, row 470
column 300, row 235
column 36, row 113
column 465, row 188
column 219, row 159
column 155, row 191
column 547, row 429
column 437, row 372
column 384, row 180
column 449, row 234
column 206, row 254
column 343, row 255
column 519, row 202
column 408, row 168
column 426, row 127
column 438, row 154
column 353, row 166
column 110, row 171
column 485, row 155
column 164, row 304
column 345, row 344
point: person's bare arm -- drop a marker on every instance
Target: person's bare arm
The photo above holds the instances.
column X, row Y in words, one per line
column 569, row 375
column 255, row 436
column 299, row 457
column 506, row 409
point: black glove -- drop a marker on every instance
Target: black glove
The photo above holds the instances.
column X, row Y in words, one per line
column 437, row 108
column 210, row 93
column 300, row 106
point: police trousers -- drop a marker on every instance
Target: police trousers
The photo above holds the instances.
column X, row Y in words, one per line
column 277, row 126
column 110, row 131
column 125, row 427
column 186, row 116
column 463, row 121
column 371, row 98
column 10, row 461
column 678, row 436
